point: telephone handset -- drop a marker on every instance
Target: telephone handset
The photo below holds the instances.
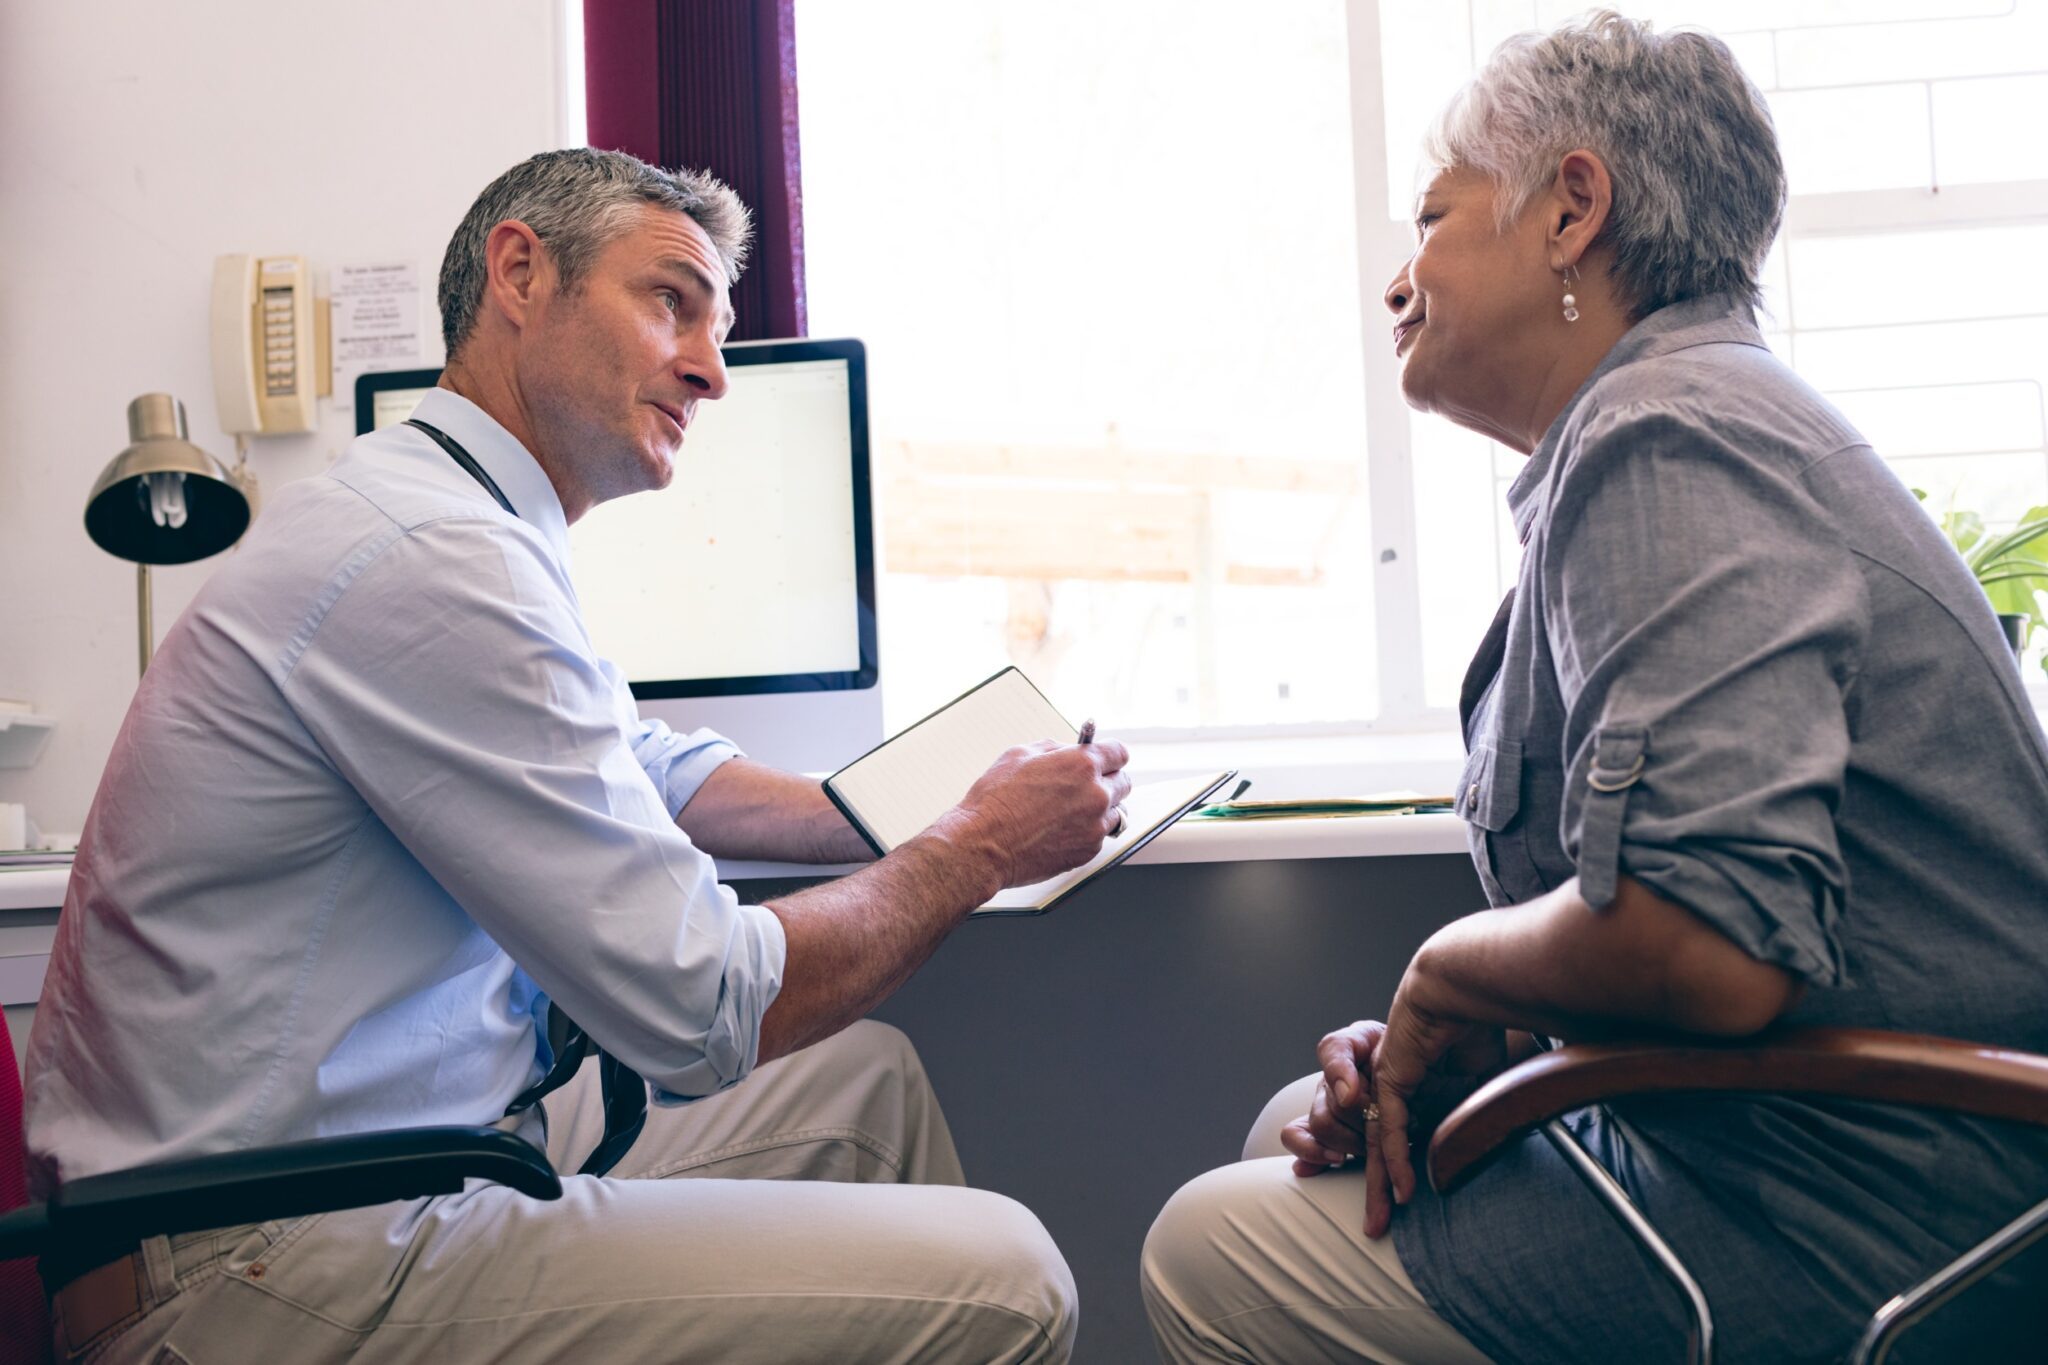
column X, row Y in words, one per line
column 266, row 361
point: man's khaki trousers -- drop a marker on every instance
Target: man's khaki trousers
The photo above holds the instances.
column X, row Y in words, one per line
column 813, row 1213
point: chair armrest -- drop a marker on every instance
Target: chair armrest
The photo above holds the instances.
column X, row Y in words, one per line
column 96, row 1218
column 1863, row 1064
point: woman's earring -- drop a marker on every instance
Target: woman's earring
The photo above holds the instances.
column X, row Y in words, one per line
column 1571, row 304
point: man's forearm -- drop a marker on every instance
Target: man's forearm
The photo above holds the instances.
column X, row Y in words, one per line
column 1557, row 966
column 750, row 810
column 853, row 941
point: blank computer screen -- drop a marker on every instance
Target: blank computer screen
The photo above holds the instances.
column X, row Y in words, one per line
column 389, row 407
column 745, row 566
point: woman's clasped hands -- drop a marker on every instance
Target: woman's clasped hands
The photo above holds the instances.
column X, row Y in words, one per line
column 1373, row 1075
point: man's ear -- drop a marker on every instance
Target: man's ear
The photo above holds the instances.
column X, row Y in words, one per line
column 1579, row 200
column 518, row 271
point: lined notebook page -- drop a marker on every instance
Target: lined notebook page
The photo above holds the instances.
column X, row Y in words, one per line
column 913, row 779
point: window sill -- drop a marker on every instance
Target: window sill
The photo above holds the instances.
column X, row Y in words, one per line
column 1226, row 841
column 1288, row 767
column 1280, row 767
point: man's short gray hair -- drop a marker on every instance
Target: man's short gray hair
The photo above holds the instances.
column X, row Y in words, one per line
column 576, row 200
column 1699, row 188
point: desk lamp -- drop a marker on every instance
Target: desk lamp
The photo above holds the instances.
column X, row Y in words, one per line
column 163, row 500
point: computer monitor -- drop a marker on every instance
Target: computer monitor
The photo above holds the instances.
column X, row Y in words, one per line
column 742, row 596
column 385, row 400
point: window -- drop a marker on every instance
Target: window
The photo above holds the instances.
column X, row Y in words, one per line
column 1119, row 269
column 1104, row 261
column 1906, row 286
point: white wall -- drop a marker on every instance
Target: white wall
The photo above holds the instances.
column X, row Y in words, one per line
column 138, row 140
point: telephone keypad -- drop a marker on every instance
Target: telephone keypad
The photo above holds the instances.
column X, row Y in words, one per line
column 280, row 368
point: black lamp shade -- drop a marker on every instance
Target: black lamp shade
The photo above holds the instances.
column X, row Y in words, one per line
column 118, row 515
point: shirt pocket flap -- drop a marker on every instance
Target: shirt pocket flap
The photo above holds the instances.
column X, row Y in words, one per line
column 1490, row 789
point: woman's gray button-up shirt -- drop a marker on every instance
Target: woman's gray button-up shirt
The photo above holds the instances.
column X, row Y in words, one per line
column 1742, row 666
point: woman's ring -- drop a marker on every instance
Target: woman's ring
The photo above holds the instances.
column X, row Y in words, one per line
column 1372, row 1112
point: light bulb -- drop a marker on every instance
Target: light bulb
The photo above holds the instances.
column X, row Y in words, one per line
column 167, row 499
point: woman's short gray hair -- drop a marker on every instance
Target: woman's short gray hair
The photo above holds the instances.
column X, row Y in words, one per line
column 576, row 200
column 1699, row 188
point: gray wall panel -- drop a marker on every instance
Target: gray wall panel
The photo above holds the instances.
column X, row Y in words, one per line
column 1092, row 1060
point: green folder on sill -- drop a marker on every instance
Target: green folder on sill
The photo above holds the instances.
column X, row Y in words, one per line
column 1327, row 807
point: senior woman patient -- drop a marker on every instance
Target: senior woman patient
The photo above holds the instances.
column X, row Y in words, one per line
column 1745, row 746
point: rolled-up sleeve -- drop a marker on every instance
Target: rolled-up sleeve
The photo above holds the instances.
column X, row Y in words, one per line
column 678, row 764
column 452, row 685
column 1704, row 622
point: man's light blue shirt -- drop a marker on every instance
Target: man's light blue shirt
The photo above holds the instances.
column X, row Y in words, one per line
column 376, row 801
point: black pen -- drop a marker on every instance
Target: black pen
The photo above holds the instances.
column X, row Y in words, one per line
column 1087, row 736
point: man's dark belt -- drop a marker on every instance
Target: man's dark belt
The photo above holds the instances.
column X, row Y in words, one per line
column 625, row 1093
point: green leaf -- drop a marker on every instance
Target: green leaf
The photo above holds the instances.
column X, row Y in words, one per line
column 2017, row 596
column 2033, row 527
column 2009, row 565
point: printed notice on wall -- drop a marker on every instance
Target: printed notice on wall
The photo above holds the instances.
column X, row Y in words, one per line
column 376, row 322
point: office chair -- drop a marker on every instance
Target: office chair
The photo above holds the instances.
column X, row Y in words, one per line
column 98, row 1218
column 1862, row 1064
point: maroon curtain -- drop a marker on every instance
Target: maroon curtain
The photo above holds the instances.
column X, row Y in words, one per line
column 711, row 84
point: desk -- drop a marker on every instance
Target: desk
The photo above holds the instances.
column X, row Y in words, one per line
column 1094, row 1059
column 29, row 900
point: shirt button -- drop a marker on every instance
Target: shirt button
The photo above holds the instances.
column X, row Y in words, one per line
column 1472, row 795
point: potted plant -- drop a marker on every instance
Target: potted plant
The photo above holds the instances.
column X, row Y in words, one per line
column 2011, row 567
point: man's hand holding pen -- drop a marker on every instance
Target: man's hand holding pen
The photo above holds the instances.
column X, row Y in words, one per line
column 1047, row 807
column 1084, row 739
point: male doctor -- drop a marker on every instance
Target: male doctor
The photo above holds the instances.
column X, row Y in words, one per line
column 378, row 806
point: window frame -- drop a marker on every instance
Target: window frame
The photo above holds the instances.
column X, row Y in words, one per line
column 1389, row 439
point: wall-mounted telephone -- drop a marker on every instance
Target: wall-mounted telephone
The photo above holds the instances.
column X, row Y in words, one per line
column 269, row 352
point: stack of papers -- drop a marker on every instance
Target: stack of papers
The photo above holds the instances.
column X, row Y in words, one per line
column 1327, row 807
column 34, row 857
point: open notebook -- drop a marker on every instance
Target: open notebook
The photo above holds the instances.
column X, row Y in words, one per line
column 894, row 792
